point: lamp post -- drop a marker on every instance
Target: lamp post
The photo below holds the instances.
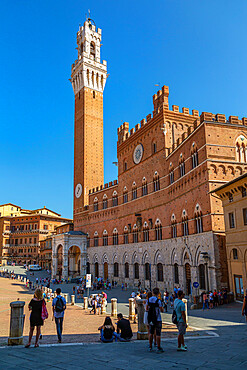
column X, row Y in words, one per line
column 206, row 259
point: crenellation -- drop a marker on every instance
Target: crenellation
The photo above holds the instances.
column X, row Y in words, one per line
column 234, row 120
column 143, row 122
column 221, row 117
column 132, row 131
column 186, row 110
column 175, row 108
column 206, row 116
column 149, row 117
column 244, row 121
column 195, row 113
column 137, row 126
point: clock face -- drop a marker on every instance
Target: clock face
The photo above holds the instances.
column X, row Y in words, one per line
column 78, row 190
column 138, row 153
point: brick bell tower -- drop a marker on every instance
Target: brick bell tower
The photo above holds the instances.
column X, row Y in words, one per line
column 88, row 78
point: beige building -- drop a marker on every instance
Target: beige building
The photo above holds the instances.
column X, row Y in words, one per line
column 234, row 199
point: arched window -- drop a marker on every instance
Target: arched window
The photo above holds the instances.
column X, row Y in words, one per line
column 105, row 202
column 92, row 49
column 88, row 76
column 88, row 240
column 95, row 205
column 241, row 149
column 116, row 269
column 93, row 79
column 134, row 191
column 145, row 232
column 171, row 174
column 97, row 79
column 96, row 269
column 185, row 225
column 156, row 182
column 160, row 276
column 174, row 226
column 198, row 221
column 144, row 186
column 135, row 234
column 115, row 237
column 126, row 235
column 158, row 230
column 125, row 195
column 235, row 254
column 194, row 156
column 88, row 268
column 147, row 271
column 96, row 239
column 136, row 270
column 105, row 238
column 126, row 269
column 102, row 81
column 176, row 274
column 181, row 165
column 202, row 283
column 114, row 199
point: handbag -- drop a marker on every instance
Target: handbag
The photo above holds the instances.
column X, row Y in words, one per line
column 44, row 312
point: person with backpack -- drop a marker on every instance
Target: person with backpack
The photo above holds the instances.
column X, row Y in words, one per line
column 179, row 318
column 59, row 306
column 154, row 308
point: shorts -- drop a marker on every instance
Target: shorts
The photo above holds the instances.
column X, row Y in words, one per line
column 181, row 328
column 156, row 328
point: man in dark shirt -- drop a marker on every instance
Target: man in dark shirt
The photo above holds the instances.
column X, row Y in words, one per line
column 123, row 326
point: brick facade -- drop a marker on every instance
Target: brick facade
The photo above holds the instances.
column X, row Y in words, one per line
column 159, row 211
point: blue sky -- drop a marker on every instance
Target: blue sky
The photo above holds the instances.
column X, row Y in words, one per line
column 197, row 48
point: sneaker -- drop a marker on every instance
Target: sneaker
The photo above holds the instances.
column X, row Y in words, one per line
column 59, row 341
column 182, row 349
column 185, row 346
column 159, row 350
column 150, row 349
column 155, row 344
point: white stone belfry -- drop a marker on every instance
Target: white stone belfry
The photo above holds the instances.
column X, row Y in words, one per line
column 88, row 71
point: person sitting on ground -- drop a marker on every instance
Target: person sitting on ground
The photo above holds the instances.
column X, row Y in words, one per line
column 107, row 331
column 179, row 307
column 154, row 308
column 123, row 326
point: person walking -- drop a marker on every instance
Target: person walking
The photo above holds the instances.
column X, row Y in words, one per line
column 154, row 308
column 59, row 306
column 244, row 306
column 179, row 308
column 205, row 301
column 35, row 306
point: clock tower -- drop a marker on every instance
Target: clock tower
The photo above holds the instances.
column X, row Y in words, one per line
column 88, row 78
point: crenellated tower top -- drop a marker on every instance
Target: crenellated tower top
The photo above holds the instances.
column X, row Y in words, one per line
column 88, row 71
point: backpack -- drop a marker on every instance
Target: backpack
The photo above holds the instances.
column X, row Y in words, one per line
column 174, row 317
column 59, row 305
column 152, row 312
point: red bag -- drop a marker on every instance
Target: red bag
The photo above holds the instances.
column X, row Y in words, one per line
column 44, row 312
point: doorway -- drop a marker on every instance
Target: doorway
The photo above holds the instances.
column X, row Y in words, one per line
column 239, row 288
column 105, row 271
column 188, row 278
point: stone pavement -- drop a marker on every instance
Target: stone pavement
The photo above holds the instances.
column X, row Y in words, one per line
column 214, row 353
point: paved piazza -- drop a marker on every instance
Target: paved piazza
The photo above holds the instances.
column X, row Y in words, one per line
column 218, row 340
